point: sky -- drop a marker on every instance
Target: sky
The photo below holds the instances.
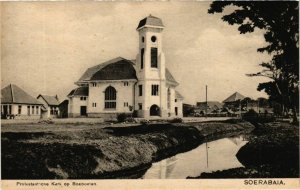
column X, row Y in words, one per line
column 47, row 46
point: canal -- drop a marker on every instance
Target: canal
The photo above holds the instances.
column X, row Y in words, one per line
column 211, row 156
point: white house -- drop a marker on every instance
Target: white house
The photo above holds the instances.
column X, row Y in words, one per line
column 122, row 86
column 18, row 104
column 50, row 106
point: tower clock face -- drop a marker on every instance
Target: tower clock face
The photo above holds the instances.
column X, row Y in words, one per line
column 153, row 38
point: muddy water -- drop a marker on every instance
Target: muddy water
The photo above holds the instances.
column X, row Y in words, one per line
column 208, row 157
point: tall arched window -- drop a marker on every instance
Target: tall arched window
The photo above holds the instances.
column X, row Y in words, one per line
column 169, row 98
column 110, row 98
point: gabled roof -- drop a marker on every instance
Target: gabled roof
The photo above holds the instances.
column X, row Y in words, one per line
column 80, row 91
column 234, row 97
column 178, row 95
column 14, row 94
column 150, row 21
column 115, row 69
column 50, row 100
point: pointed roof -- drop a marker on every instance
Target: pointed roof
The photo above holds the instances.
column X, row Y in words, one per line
column 50, row 100
column 151, row 21
column 234, row 97
column 14, row 94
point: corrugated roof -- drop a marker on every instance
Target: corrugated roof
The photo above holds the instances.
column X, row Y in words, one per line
column 150, row 21
column 178, row 95
column 80, row 91
column 234, row 97
column 14, row 94
column 51, row 100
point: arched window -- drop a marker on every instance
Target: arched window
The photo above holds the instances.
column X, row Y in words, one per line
column 110, row 98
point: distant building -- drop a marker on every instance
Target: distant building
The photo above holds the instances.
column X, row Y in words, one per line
column 18, row 104
column 50, row 106
column 208, row 107
column 233, row 98
column 119, row 85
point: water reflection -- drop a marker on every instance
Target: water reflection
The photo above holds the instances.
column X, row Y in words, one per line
column 213, row 156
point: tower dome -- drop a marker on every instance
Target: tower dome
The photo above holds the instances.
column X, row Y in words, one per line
column 150, row 21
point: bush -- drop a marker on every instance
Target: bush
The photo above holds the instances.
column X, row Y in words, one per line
column 176, row 120
column 135, row 113
column 251, row 116
column 121, row 117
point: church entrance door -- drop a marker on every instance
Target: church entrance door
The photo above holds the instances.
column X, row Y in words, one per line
column 83, row 110
column 154, row 110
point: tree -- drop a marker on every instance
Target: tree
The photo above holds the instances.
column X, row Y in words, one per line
column 279, row 21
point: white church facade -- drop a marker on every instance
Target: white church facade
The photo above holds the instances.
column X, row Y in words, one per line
column 143, row 85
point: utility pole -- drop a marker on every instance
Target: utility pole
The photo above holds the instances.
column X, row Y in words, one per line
column 206, row 101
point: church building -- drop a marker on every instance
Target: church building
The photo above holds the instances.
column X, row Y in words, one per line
column 119, row 85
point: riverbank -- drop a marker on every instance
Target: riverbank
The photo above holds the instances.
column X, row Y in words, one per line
column 109, row 152
column 272, row 152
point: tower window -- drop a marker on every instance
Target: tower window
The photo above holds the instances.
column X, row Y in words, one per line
column 154, row 57
column 143, row 39
column 94, row 84
column 153, row 38
column 154, row 91
column 142, row 58
column 126, row 84
column 110, row 98
column 140, row 106
column 140, row 90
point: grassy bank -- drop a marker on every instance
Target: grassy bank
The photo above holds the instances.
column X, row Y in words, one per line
column 272, row 152
column 88, row 152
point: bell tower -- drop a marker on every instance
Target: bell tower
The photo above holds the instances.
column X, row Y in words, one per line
column 151, row 88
